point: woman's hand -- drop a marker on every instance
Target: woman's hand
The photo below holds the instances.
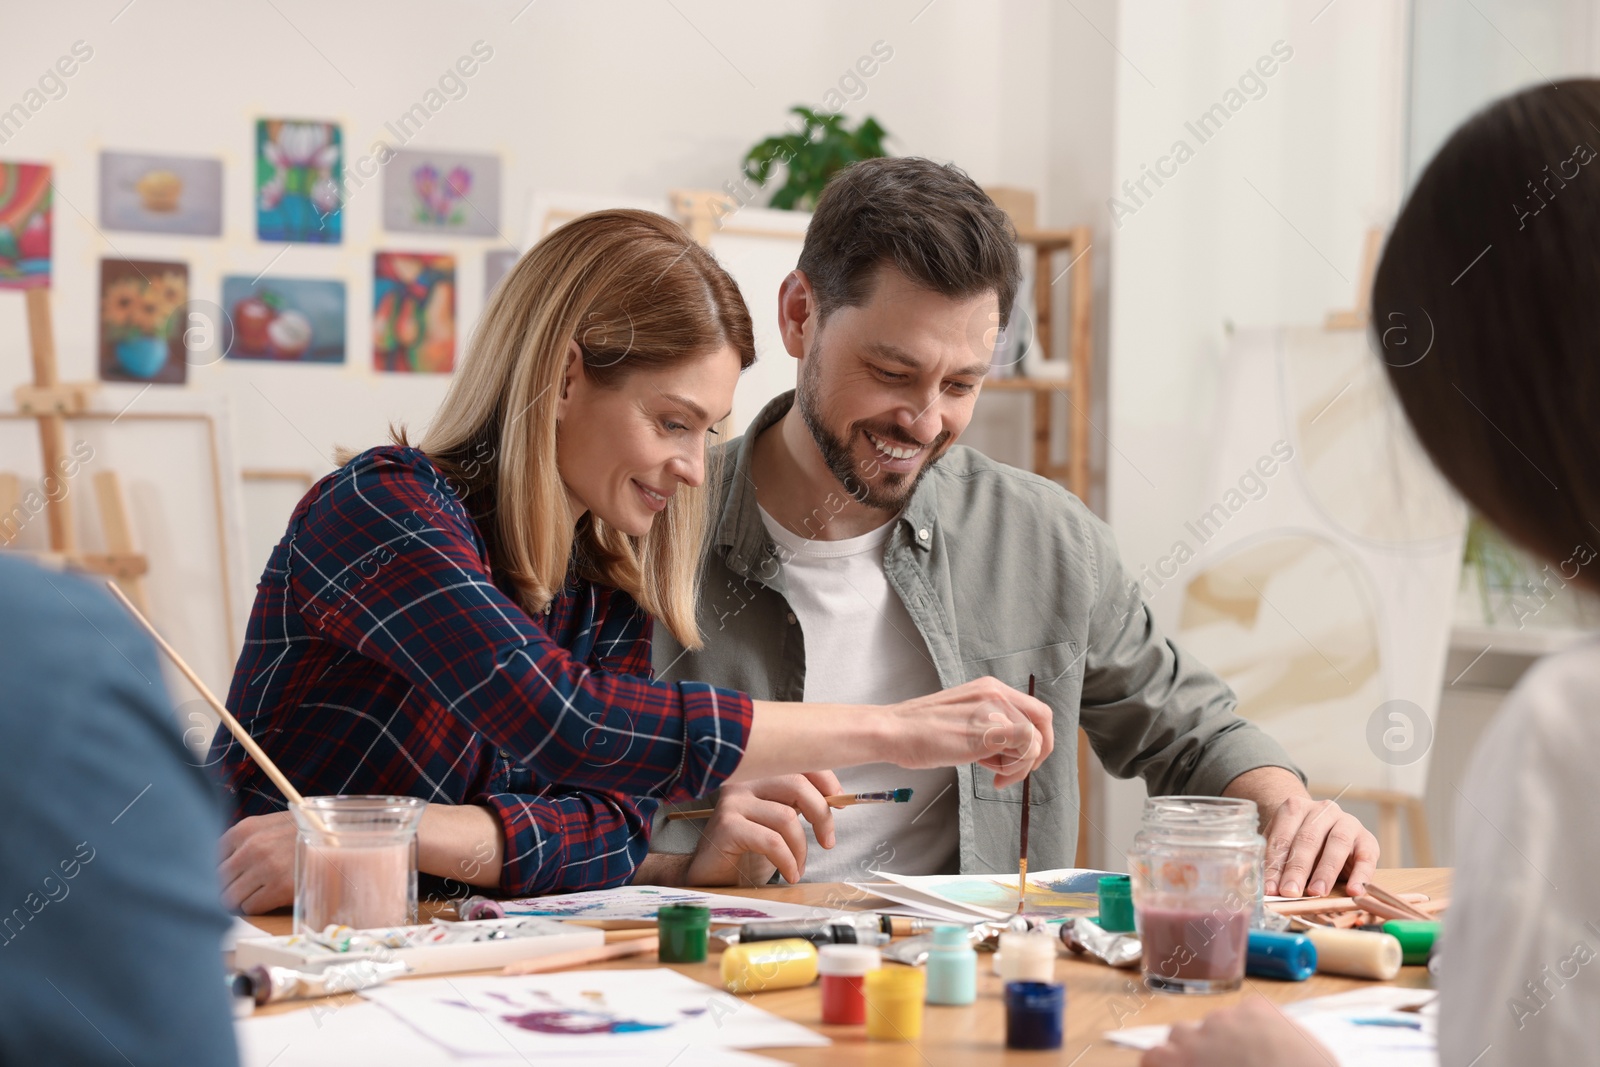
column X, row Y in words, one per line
column 756, row 830
column 984, row 721
column 257, row 869
column 1253, row 1033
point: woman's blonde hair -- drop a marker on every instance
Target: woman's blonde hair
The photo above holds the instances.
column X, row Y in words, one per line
column 636, row 293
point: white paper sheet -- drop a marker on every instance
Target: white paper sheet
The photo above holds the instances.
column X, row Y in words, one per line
column 1060, row 893
column 1363, row 1026
column 241, row 930
column 641, row 902
column 584, row 1011
column 347, row 1032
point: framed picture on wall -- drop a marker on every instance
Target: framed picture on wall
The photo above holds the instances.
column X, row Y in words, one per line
column 161, row 194
column 284, row 320
column 299, row 181
column 442, row 192
column 496, row 263
column 142, row 305
column 414, row 312
column 24, row 225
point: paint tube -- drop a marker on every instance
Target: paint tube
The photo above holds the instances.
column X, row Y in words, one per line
column 1086, row 938
column 269, row 985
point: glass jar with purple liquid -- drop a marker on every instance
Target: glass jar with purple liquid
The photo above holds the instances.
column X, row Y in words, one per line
column 1196, row 870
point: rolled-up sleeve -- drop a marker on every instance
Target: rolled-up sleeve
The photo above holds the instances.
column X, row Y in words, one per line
column 386, row 563
column 1149, row 708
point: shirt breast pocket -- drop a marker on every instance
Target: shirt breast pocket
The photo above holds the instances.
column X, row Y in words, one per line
column 1057, row 670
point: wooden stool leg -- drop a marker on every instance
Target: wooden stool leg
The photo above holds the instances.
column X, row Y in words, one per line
column 1421, row 842
column 1388, row 833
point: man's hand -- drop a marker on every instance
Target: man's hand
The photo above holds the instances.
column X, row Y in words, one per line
column 1253, row 1033
column 983, row 721
column 1311, row 844
column 756, row 830
column 257, row 869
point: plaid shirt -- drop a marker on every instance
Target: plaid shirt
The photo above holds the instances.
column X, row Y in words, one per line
column 381, row 657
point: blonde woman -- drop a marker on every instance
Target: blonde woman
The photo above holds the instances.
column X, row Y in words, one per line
column 469, row 620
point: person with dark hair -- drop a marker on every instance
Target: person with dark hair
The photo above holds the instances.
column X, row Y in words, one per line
column 1484, row 313
column 860, row 554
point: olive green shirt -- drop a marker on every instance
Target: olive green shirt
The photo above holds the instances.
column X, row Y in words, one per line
column 1005, row 573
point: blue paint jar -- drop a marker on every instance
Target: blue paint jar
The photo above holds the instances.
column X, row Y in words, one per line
column 1035, row 1014
column 952, row 966
column 1290, row 957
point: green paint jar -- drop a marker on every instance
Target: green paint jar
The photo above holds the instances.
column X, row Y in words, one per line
column 684, row 931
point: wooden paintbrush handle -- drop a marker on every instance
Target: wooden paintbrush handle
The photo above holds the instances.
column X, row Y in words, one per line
column 240, row 734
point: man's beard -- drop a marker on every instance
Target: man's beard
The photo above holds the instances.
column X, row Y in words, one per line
column 895, row 488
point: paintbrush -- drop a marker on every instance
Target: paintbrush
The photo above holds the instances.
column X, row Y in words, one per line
column 1022, row 858
column 239, row 732
column 837, row 800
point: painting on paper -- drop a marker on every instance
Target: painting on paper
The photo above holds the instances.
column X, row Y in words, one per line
column 285, row 320
column 161, row 194
column 24, row 225
column 1055, row 894
column 414, row 313
column 299, row 178
column 142, row 306
column 442, row 192
column 642, row 901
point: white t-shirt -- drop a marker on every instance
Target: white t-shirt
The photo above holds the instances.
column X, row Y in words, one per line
column 862, row 648
column 1521, row 941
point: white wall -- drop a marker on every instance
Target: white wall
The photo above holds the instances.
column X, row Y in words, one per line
column 625, row 98
column 1263, row 225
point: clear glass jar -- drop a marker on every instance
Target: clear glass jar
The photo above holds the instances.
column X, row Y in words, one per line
column 355, row 862
column 1196, row 870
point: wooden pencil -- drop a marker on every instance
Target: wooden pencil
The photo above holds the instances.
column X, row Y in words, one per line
column 1330, row 905
column 1402, row 906
column 561, row 961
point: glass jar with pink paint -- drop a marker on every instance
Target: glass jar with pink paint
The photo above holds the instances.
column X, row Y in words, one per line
column 355, row 862
column 1196, row 870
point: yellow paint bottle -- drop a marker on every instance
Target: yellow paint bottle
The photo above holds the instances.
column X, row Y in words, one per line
column 766, row 965
column 894, row 1003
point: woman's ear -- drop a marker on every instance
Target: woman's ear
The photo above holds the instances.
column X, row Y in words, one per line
column 570, row 375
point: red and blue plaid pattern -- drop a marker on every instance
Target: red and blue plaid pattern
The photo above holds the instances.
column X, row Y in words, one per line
column 381, row 657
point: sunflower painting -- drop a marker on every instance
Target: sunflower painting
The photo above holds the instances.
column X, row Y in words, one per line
column 414, row 313
column 142, row 307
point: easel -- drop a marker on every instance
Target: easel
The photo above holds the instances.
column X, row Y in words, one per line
column 1391, row 804
column 52, row 403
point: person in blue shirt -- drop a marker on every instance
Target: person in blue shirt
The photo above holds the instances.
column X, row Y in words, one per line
column 111, row 919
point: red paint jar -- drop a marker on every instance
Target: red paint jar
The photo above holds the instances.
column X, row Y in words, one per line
column 843, row 968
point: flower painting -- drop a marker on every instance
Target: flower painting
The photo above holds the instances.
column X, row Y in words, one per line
column 414, row 313
column 142, row 306
column 285, row 320
column 24, row 225
column 442, row 192
column 299, row 175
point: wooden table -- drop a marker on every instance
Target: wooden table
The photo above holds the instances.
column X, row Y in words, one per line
column 1098, row 997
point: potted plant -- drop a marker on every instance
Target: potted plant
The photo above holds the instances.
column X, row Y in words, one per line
column 819, row 149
